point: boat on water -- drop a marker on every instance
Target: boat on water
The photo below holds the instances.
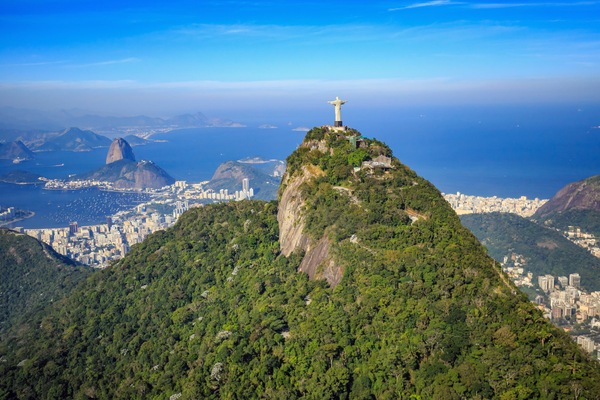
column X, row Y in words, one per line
column 60, row 165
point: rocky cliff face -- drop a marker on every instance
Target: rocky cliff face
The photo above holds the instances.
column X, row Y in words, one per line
column 119, row 150
column 582, row 195
column 317, row 262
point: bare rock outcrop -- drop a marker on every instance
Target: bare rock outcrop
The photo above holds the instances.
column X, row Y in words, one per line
column 291, row 222
column 318, row 263
column 582, row 195
column 119, row 150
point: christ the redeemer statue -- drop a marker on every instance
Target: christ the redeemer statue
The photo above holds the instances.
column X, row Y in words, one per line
column 338, row 110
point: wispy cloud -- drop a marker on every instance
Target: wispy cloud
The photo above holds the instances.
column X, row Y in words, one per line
column 428, row 4
column 125, row 60
column 35, row 63
column 493, row 5
column 510, row 5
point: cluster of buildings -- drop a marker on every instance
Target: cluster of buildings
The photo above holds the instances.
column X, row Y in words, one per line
column 8, row 214
column 582, row 239
column 12, row 214
column 197, row 192
column 96, row 245
column 514, row 265
column 181, row 188
column 464, row 204
column 561, row 299
column 59, row 184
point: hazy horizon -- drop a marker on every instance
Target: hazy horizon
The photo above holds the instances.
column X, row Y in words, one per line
column 131, row 58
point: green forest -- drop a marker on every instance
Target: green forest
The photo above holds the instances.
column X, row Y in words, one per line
column 545, row 250
column 211, row 309
column 33, row 277
column 588, row 220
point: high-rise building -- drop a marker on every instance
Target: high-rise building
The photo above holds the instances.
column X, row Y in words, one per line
column 563, row 280
column 546, row 283
column 109, row 222
column 557, row 312
column 73, row 228
column 246, row 185
column 574, row 280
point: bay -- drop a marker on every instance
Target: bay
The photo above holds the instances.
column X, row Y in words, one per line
column 488, row 151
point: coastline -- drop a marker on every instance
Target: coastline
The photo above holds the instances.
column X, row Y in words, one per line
column 18, row 219
column 23, row 183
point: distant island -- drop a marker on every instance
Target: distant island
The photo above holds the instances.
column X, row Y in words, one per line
column 21, row 177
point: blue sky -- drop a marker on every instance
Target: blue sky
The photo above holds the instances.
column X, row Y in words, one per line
column 131, row 56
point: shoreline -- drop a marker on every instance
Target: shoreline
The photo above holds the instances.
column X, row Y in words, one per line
column 23, row 183
column 257, row 162
column 19, row 219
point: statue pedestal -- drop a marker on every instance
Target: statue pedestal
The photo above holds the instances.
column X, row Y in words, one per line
column 337, row 123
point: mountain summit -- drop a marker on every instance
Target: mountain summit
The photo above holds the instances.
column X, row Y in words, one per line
column 359, row 283
column 119, row 150
column 576, row 204
column 124, row 172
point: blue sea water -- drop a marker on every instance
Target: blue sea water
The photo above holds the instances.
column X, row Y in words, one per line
column 508, row 151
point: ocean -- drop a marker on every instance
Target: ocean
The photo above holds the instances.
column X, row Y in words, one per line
column 507, row 151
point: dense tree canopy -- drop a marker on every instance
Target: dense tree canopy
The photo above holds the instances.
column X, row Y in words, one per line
column 210, row 309
column 32, row 278
column 546, row 251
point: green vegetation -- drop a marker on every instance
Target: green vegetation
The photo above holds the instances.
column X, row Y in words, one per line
column 545, row 250
column 230, row 175
column 210, row 309
column 34, row 278
column 588, row 220
column 20, row 176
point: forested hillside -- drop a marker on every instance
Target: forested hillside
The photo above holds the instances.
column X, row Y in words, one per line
column 33, row 277
column 545, row 250
column 212, row 309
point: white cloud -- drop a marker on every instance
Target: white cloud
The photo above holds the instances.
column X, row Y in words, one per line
column 125, row 60
column 492, row 5
column 427, row 4
column 35, row 63
column 510, row 5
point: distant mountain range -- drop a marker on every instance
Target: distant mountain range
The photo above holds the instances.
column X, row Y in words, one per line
column 22, row 119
